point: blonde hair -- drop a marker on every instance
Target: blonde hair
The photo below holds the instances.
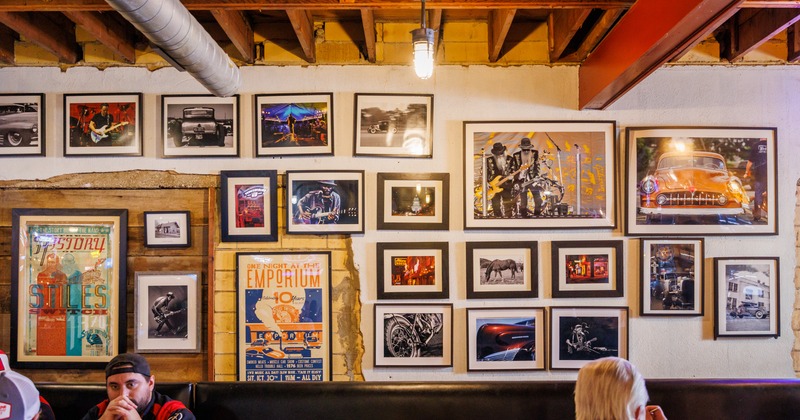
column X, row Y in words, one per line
column 609, row 389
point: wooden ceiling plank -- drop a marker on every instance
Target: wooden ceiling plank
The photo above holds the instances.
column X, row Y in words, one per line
column 650, row 34
column 793, row 42
column 58, row 40
column 759, row 27
column 304, row 28
column 563, row 25
column 239, row 31
column 368, row 22
column 595, row 35
column 499, row 23
column 7, row 39
column 109, row 32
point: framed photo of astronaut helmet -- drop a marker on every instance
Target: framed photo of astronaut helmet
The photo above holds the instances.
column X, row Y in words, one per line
column 324, row 202
column 167, row 312
column 580, row 335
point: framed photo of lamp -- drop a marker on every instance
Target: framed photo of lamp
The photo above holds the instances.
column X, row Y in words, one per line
column 502, row 270
column 249, row 206
column 587, row 269
column 412, row 270
column 506, row 339
column 103, row 124
column 580, row 335
column 22, row 128
column 167, row 229
column 539, row 174
column 294, row 124
column 168, row 314
column 747, row 297
column 689, row 181
column 413, row 201
column 393, row 125
column 68, row 271
column 672, row 276
column 325, row 202
column 414, row 335
column 200, row 126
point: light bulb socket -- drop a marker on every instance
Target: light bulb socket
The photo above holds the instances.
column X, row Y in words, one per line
column 422, row 35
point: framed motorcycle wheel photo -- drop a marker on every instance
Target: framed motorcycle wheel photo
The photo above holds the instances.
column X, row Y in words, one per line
column 672, row 276
column 414, row 335
column 167, row 312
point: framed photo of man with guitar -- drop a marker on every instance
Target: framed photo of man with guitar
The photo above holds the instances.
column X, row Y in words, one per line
column 100, row 124
column 325, row 202
column 539, row 174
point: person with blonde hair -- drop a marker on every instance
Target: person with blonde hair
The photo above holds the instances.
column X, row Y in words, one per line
column 612, row 389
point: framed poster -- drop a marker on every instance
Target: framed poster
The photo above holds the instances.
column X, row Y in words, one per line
column 200, row 125
column 414, row 335
column 396, row 125
column 413, row 201
column 167, row 229
column 747, row 297
column 502, row 269
column 68, row 276
column 505, row 339
column 103, row 124
column 325, row 202
column 283, row 316
column 167, row 312
column 22, row 127
column 672, row 276
column 412, row 270
column 701, row 181
column 587, row 269
column 579, row 335
column 539, row 174
column 249, row 206
column 294, row 124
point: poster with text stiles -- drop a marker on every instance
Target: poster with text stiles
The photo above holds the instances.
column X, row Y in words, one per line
column 284, row 316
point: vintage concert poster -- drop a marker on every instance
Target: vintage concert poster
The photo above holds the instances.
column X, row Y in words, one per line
column 284, row 316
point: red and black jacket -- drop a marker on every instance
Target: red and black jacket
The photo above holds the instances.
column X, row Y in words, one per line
column 160, row 407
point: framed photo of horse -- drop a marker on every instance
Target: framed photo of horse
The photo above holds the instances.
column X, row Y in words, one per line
column 587, row 269
column 412, row 270
column 502, row 270
column 101, row 124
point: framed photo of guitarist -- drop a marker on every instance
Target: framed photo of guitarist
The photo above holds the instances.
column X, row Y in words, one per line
column 168, row 313
column 329, row 202
column 539, row 175
column 101, row 124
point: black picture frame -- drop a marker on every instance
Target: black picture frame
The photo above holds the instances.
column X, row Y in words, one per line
column 409, row 201
column 249, row 206
column 294, row 124
column 393, row 125
column 747, row 297
column 403, row 270
column 319, row 216
column 506, row 339
column 490, row 260
column 392, row 323
column 22, row 125
column 167, row 229
column 579, row 335
column 201, row 138
column 588, row 269
column 672, row 276
column 121, row 134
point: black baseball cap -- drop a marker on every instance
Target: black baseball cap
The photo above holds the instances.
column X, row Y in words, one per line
column 128, row 363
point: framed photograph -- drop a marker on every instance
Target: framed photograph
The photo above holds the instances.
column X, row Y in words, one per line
column 68, row 287
column 167, row 229
column 672, row 276
column 22, row 125
column 413, row 201
column 587, row 269
column 580, row 335
column 412, row 270
column 102, row 124
column 168, row 314
column 400, row 342
column 539, row 174
column 505, row 339
column 694, row 181
column 249, row 206
column 747, row 297
column 200, row 125
column 283, row 316
column 294, row 124
column 397, row 125
column 502, row 270
column 325, row 202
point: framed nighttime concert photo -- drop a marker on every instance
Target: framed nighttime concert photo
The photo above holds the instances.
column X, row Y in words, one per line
column 249, row 206
column 413, row 201
column 413, row 335
column 412, row 270
column 199, row 125
column 294, row 124
column 580, row 335
column 325, row 202
column 587, row 269
column 167, row 312
column 505, row 339
column 672, row 276
column 692, row 181
column 539, row 175
column 68, row 271
column 502, row 270
column 395, row 125
column 103, row 124
column 747, row 297
column 167, row 229
column 22, row 127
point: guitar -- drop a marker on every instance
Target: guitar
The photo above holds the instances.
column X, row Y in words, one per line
column 318, row 217
column 104, row 131
column 494, row 185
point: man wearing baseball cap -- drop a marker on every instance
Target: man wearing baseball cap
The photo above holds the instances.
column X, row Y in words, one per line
column 19, row 398
column 131, row 395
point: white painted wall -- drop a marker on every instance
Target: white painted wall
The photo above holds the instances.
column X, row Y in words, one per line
column 680, row 96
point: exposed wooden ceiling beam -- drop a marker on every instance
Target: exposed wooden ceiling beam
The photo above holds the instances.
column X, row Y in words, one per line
column 239, row 31
column 38, row 29
column 110, row 32
column 368, row 22
column 563, row 25
column 304, row 28
column 7, row 38
column 751, row 28
column 595, row 35
column 793, row 41
column 499, row 23
column 650, row 34
column 435, row 23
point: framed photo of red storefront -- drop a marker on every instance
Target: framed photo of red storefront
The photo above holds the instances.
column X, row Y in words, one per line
column 68, row 287
column 249, row 206
column 412, row 270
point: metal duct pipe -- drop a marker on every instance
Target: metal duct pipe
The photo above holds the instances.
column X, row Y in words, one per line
column 170, row 26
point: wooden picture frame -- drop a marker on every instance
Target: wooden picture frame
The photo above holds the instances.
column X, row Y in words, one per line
column 199, row 126
column 324, row 202
column 502, row 270
column 397, row 345
column 393, row 125
column 22, row 124
column 588, row 269
column 506, row 339
column 117, row 129
column 413, row 201
column 747, row 297
column 294, row 124
column 168, row 315
column 580, row 335
column 672, row 282
column 167, row 229
column 412, row 270
column 249, row 206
